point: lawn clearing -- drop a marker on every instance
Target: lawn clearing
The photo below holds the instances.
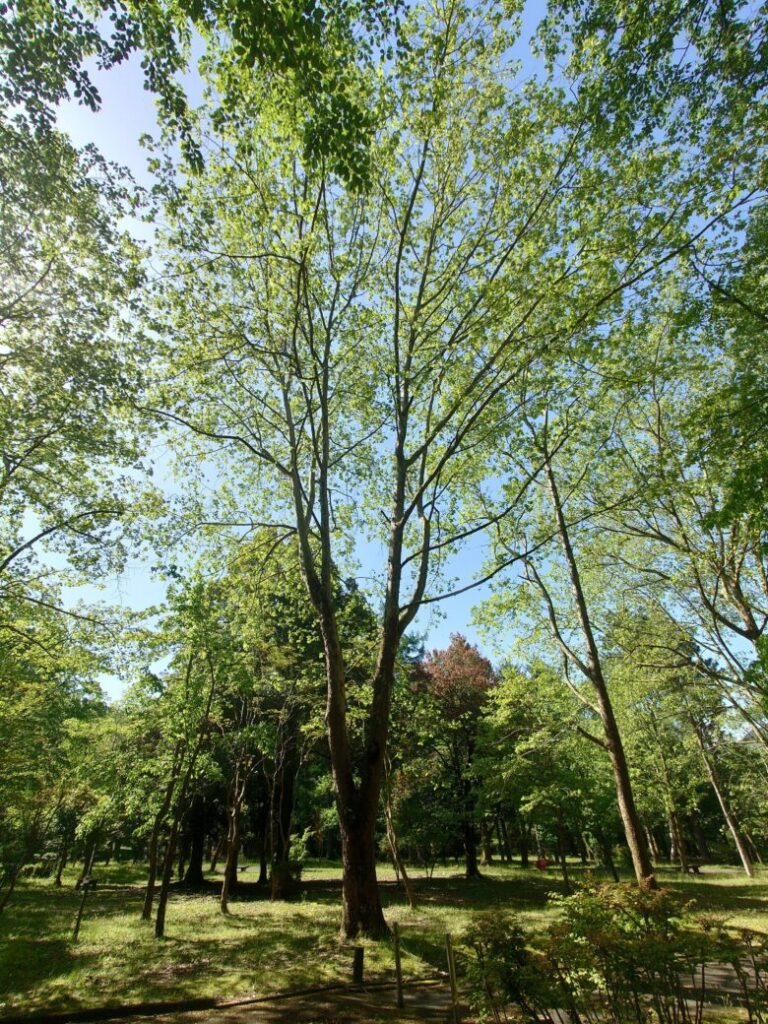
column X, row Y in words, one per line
column 263, row 947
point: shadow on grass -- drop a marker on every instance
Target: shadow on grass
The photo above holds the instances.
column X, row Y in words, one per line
column 263, row 946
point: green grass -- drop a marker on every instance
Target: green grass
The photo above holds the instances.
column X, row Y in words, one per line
column 264, row 947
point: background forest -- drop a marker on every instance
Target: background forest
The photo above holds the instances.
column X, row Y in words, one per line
column 420, row 306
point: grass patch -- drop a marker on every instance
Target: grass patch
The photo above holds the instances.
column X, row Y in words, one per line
column 264, row 947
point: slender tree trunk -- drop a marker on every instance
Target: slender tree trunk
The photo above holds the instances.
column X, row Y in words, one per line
column 11, row 879
column 676, row 838
column 181, row 801
column 157, row 825
column 722, row 799
column 233, row 848
column 217, row 852
column 524, row 841
column 537, row 841
column 182, row 859
column 394, row 848
column 62, row 863
column 653, row 845
column 149, row 892
column 194, row 876
column 469, row 833
column 607, row 853
column 592, row 670
column 702, row 847
column 584, row 850
column 284, row 789
column 165, row 883
column 88, row 860
column 154, row 845
column 562, row 856
column 485, row 837
column 503, row 848
column 233, row 868
column 757, row 857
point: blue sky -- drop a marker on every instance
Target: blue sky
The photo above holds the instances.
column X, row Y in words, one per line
column 127, row 112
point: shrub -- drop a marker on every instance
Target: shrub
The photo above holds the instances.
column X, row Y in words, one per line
column 617, row 954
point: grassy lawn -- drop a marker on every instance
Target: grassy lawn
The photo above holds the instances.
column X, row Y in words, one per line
column 264, row 947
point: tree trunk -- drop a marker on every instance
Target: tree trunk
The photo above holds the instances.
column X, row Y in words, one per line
column 524, row 841
column 485, row 836
column 583, row 849
column 182, row 859
column 154, row 841
column 676, row 839
column 503, row 849
column 562, row 856
column 217, row 852
column 702, row 847
column 12, row 878
column 470, row 849
column 722, row 799
column 754, row 851
column 229, row 882
column 149, row 892
column 607, row 852
column 284, row 790
column 653, row 845
column 165, row 883
column 90, row 857
column 394, row 849
column 194, row 876
column 592, row 670
column 260, row 812
column 537, row 841
column 361, row 904
column 62, row 863
column 181, row 802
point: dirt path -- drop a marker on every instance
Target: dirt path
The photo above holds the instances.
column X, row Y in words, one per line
column 428, row 1001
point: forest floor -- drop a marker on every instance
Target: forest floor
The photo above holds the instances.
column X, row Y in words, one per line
column 264, row 947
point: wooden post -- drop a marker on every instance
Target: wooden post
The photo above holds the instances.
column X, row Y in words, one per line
column 398, row 967
column 86, row 885
column 452, row 976
column 357, row 966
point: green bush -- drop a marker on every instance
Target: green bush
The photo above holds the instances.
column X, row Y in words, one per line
column 617, row 954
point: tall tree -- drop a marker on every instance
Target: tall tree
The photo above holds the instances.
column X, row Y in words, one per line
column 354, row 353
column 458, row 681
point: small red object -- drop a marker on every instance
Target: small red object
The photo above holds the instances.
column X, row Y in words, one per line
column 542, row 863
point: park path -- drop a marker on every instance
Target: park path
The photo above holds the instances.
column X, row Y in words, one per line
column 426, row 1001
